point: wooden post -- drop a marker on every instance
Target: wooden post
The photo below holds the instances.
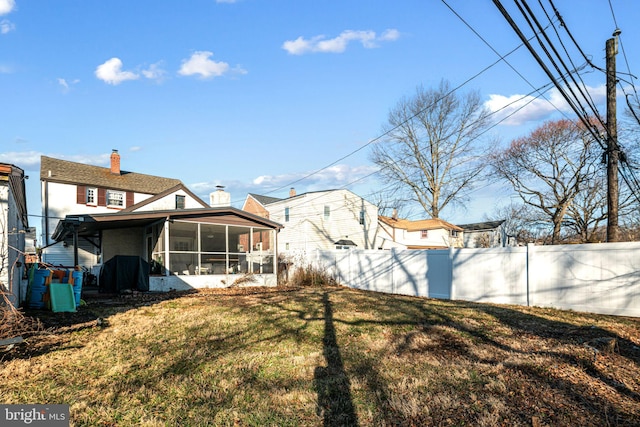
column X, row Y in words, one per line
column 613, row 231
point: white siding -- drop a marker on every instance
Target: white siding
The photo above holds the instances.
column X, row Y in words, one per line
column 307, row 228
column 169, row 202
column 62, row 201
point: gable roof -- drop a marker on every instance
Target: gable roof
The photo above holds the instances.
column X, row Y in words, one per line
column 64, row 171
column 164, row 194
column 264, row 200
column 421, row 224
column 486, row 225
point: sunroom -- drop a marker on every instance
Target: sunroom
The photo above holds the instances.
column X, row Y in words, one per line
column 191, row 248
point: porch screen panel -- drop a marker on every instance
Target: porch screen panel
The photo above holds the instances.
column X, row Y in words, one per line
column 213, row 248
column 262, row 251
column 183, row 248
column 239, row 247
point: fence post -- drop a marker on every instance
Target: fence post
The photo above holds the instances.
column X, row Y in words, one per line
column 451, row 287
column 392, row 254
column 530, row 272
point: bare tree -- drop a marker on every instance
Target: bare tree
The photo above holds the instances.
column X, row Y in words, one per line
column 522, row 224
column 549, row 168
column 431, row 153
column 588, row 212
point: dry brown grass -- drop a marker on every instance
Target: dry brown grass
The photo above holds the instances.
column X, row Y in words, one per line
column 329, row 356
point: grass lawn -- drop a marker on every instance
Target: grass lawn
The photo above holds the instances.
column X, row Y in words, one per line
column 327, row 356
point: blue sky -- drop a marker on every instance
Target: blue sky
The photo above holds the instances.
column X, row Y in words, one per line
column 259, row 95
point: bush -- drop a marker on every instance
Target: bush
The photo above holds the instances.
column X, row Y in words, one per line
column 311, row 276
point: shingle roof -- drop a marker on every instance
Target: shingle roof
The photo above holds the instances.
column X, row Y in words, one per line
column 422, row 224
column 265, row 200
column 64, row 171
column 486, row 225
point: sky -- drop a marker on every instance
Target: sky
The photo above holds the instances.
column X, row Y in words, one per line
column 261, row 96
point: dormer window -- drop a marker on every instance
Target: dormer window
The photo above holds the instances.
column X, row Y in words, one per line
column 180, row 201
column 115, row 199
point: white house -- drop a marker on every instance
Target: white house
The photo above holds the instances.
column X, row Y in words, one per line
column 151, row 233
column 420, row 234
column 487, row 234
column 14, row 225
column 70, row 188
column 330, row 219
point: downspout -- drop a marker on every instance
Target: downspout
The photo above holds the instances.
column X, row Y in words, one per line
column 75, row 246
column 46, row 212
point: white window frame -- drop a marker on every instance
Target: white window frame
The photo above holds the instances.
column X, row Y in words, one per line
column 287, row 214
column 424, row 234
column 92, row 196
column 119, row 197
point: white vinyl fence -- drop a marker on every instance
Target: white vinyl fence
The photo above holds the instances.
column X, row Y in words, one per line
column 597, row 278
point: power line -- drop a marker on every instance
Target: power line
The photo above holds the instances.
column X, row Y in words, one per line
column 572, row 103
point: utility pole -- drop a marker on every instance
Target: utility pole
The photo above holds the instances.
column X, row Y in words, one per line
column 613, row 231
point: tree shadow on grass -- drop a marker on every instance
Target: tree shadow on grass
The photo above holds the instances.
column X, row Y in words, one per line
column 331, row 382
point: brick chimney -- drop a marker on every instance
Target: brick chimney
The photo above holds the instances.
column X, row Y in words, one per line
column 292, row 192
column 115, row 162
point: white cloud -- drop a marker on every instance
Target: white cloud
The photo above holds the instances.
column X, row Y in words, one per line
column 515, row 110
column 22, row 159
column 111, row 72
column 6, row 6
column 63, row 83
column 368, row 39
column 5, row 69
column 66, row 85
column 200, row 64
column 6, row 26
column 331, row 177
column 390, row 35
column 154, row 72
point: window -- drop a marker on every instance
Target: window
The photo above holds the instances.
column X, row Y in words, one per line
column 180, row 200
column 424, row 234
column 92, row 196
column 203, row 248
column 287, row 212
column 115, row 199
column 327, row 212
column 454, row 233
column 361, row 217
